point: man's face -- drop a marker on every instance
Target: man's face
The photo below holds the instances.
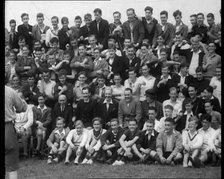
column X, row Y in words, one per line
column 152, row 114
column 12, row 58
column 208, row 108
column 117, row 17
column 111, row 53
column 144, row 50
column 62, row 99
column 127, row 42
column 46, row 76
column 163, row 18
column 114, row 125
column 210, row 20
column 62, row 79
column 168, row 126
column 38, row 54
column 79, row 129
column 101, row 82
column 31, row 81
column 132, row 75
column 192, row 92
column 127, row 95
column 165, row 71
column 199, row 75
column 148, row 14
column 145, row 70
column 184, row 70
column 211, row 47
column 178, row 19
column 131, row 52
column 22, row 43
column 78, row 23
column 60, row 124
column 160, row 40
column 108, row 95
column 205, row 124
column 149, row 127
column 54, row 22
column 74, row 43
column 92, row 40
column 192, row 125
column 193, row 21
column 132, row 125
column 117, row 79
column 200, row 19
column 41, row 100
column 97, row 16
column 168, row 113
column 195, row 46
column 97, row 126
column 131, row 15
column 173, row 95
column 179, row 38
column 188, row 107
column 87, row 21
column 25, row 51
column 85, row 94
column 13, row 26
column 65, row 24
column 25, row 20
column 40, row 20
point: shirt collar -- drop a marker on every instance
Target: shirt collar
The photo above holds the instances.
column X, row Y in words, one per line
column 181, row 75
column 185, row 113
column 153, row 133
column 169, row 77
column 45, row 107
column 57, row 132
column 199, row 51
column 105, row 101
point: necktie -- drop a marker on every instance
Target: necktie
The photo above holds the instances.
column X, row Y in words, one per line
column 132, row 36
column 98, row 26
column 108, row 105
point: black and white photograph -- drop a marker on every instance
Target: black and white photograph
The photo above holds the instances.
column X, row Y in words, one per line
column 112, row 89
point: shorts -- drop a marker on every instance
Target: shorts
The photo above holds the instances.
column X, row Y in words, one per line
column 166, row 154
column 11, row 148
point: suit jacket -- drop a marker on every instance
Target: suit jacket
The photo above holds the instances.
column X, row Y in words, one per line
column 145, row 107
column 201, row 30
column 136, row 62
column 181, row 123
column 85, row 31
column 107, row 114
column 138, row 31
column 188, row 79
column 14, row 42
column 176, row 143
column 37, row 33
column 197, row 106
column 66, row 114
column 117, row 65
column 44, row 117
column 68, row 93
column 183, row 29
column 63, row 39
column 145, row 143
column 24, row 31
column 200, row 84
column 27, row 93
column 103, row 33
column 169, row 33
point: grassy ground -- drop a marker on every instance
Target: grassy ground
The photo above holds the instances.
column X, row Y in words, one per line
column 38, row 169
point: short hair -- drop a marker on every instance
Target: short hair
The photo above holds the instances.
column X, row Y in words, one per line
column 98, row 10
column 130, row 9
column 206, row 117
column 179, row 33
column 78, row 123
column 117, row 12
column 31, row 75
column 192, row 85
column 152, row 108
column 82, row 73
column 64, row 19
column 195, row 39
column 55, row 17
column 164, row 12
column 21, row 37
column 168, row 106
column 194, row 118
column 97, row 119
column 183, row 65
column 188, row 101
column 176, row 13
column 170, row 119
column 41, row 95
column 60, row 118
column 145, row 45
column 108, row 88
column 148, row 8
column 87, row 16
column 199, row 69
column 172, row 89
column 37, row 49
column 54, row 40
column 130, row 46
column 114, row 119
column 62, row 72
column 163, row 50
column 78, row 18
column 131, row 119
column 12, row 21
column 209, row 101
column 40, row 15
column 209, row 89
column 211, row 15
column 101, row 76
column 128, row 89
column 132, row 69
column 85, row 88
column 150, row 121
column 193, row 15
column 24, row 14
column 46, row 70
column 200, row 13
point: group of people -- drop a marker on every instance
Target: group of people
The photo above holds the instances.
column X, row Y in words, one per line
column 141, row 91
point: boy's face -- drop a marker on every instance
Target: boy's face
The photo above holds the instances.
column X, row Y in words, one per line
column 108, row 94
column 149, row 127
column 205, row 124
column 54, row 45
column 117, row 17
column 184, row 70
column 100, row 82
column 31, row 81
column 117, row 79
column 211, row 47
column 199, row 75
column 178, row 19
column 200, row 19
column 40, row 20
column 160, row 41
column 127, row 42
column 207, row 94
column 54, row 22
column 152, row 114
column 82, row 78
column 168, row 126
column 114, row 125
column 163, row 18
column 60, row 124
column 168, row 113
column 218, row 72
column 92, row 40
column 148, row 14
column 192, row 125
column 132, row 125
column 79, row 129
column 144, row 50
column 127, row 95
column 110, row 43
column 85, row 94
column 46, row 76
column 22, row 43
column 210, row 20
column 62, row 79
column 188, row 107
column 74, row 43
column 65, row 24
column 131, row 74
column 145, row 70
column 87, row 21
column 13, row 26
column 193, row 20
column 208, row 108
column 192, row 92
column 163, row 56
column 12, row 58
column 78, row 23
column 112, row 53
column 81, row 50
column 165, row 71
column 131, row 52
column 41, row 100
column 25, row 51
column 66, row 57
column 25, row 19
column 173, row 95
column 51, row 59
column 131, row 15
column 15, row 81
column 97, row 126
column 96, row 54
column 38, row 54
column 97, row 16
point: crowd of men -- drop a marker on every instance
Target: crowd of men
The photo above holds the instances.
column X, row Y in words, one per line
column 142, row 91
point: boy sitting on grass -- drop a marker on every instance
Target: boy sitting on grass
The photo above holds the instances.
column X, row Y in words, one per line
column 76, row 140
column 93, row 143
column 127, row 141
column 56, row 141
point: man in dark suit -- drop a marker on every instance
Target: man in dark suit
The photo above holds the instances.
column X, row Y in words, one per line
column 107, row 108
column 100, row 27
column 180, row 27
column 85, row 30
column 13, row 36
column 63, row 34
column 133, row 28
column 62, row 109
column 165, row 28
column 26, row 30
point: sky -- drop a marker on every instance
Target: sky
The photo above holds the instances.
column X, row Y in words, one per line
column 14, row 9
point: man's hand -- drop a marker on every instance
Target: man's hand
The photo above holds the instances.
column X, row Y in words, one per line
column 54, row 149
column 169, row 160
column 105, row 147
column 162, row 159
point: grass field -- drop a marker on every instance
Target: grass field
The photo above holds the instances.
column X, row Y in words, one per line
column 38, row 169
